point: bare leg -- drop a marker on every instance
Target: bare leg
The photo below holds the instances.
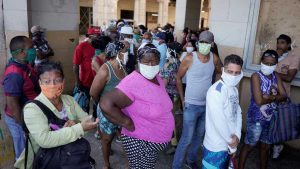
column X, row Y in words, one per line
column 106, row 141
column 243, row 155
column 264, row 155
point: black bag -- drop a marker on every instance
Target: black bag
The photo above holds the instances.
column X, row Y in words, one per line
column 75, row 155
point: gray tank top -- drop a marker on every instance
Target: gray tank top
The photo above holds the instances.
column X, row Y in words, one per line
column 198, row 80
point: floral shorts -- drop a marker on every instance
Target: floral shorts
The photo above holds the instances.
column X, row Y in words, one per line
column 104, row 125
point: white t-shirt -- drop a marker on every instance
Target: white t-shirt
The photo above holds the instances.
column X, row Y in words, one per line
column 223, row 117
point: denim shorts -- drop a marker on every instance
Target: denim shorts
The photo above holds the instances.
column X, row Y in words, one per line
column 257, row 131
column 104, row 125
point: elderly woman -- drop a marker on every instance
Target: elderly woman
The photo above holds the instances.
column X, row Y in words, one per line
column 44, row 135
column 108, row 77
column 141, row 105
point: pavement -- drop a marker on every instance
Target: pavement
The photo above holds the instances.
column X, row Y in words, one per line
column 289, row 159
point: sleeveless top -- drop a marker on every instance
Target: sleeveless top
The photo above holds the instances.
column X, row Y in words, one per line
column 257, row 113
column 198, row 80
column 113, row 80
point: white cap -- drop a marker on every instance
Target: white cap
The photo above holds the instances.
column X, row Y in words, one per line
column 126, row 30
column 37, row 28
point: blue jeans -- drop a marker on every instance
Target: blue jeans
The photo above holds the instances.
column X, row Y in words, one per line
column 17, row 134
column 192, row 135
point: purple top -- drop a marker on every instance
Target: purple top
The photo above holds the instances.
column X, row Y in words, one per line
column 268, row 86
column 151, row 110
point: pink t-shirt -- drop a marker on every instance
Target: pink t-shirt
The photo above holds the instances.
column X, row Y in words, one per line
column 151, row 110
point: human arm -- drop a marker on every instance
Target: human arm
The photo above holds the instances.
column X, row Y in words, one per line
column 281, row 97
column 99, row 82
column 184, row 66
column 111, row 106
column 259, row 98
column 218, row 66
column 289, row 77
column 13, row 102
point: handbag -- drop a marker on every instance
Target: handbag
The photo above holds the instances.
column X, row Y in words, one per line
column 285, row 123
column 69, row 156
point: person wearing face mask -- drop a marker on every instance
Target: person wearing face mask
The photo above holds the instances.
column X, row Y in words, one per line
column 20, row 84
column 44, row 50
column 287, row 68
column 126, row 34
column 161, row 46
column 45, row 135
column 199, row 68
column 147, row 37
column 263, row 83
column 109, row 76
column 142, row 107
column 82, row 60
column 223, row 123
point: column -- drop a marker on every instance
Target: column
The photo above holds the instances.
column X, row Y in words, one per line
column 187, row 15
column 104, row 11
column 140, row 12
column 163, row 12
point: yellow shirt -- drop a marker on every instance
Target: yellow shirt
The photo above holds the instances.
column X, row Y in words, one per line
column 40, row 133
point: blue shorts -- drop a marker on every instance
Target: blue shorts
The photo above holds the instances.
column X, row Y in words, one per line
column 257, row 131
column 104, row 125
column 215, row 160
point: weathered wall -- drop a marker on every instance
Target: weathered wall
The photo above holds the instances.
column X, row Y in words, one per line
column 86, row 3
column 277, row 17
column 61, row 19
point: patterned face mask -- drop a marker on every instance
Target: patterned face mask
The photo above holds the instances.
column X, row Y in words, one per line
column 204, row 48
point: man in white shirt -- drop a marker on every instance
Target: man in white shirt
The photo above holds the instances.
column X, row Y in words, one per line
column 223, row 116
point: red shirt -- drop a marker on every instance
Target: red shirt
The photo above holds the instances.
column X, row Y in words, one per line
column 83, row 55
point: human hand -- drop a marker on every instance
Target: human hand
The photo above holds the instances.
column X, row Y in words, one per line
column 235, row 141
column 128, row 124
column 88, row 124
column 70, row 123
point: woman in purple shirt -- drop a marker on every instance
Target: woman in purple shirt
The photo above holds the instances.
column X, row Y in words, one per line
column 141, row 105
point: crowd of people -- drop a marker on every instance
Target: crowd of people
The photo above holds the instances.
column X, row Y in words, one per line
column 137, row 82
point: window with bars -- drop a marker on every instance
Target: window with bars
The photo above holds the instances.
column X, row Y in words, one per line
column 86, row 19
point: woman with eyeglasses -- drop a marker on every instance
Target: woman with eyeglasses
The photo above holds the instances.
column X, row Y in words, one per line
column 141, row 105
column 42, row 134
column 266, row 92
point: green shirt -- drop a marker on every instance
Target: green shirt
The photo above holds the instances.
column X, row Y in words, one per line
column 40, row 133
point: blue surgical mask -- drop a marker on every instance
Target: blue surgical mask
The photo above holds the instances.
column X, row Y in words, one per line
column 31, row 55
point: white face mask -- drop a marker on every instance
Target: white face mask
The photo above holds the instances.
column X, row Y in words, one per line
column 149, row 72
column 231, row 80
column 267, row 70
column 155, row 42
column 125, row 58
column 189, row 49
column 129, row 40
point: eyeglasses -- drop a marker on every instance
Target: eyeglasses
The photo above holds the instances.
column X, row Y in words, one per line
column 269, row 54
column 48, row 81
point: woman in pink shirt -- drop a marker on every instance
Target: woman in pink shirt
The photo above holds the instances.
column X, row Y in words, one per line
column 141, row 105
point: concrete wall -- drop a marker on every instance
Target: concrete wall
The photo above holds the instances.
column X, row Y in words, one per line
column 125, row 5
column 61, row 19
column 232, row 16
column 86, row 3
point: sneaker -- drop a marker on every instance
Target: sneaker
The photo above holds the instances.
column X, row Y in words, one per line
column 191, row 165
column 277, row 149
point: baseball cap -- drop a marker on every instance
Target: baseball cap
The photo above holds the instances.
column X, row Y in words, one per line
column 94, row 31
column 206, row 36
column 161, row 35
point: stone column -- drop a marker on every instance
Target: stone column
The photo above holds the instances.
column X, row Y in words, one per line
column 140, row 12
column 104, row 11
column 163, row 12
column 187, row 15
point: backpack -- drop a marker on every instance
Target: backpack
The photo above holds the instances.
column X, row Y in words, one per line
column 81, row 98
column 69, row 156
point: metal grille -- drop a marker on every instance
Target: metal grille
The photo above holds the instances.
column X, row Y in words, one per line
column 86, row 19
